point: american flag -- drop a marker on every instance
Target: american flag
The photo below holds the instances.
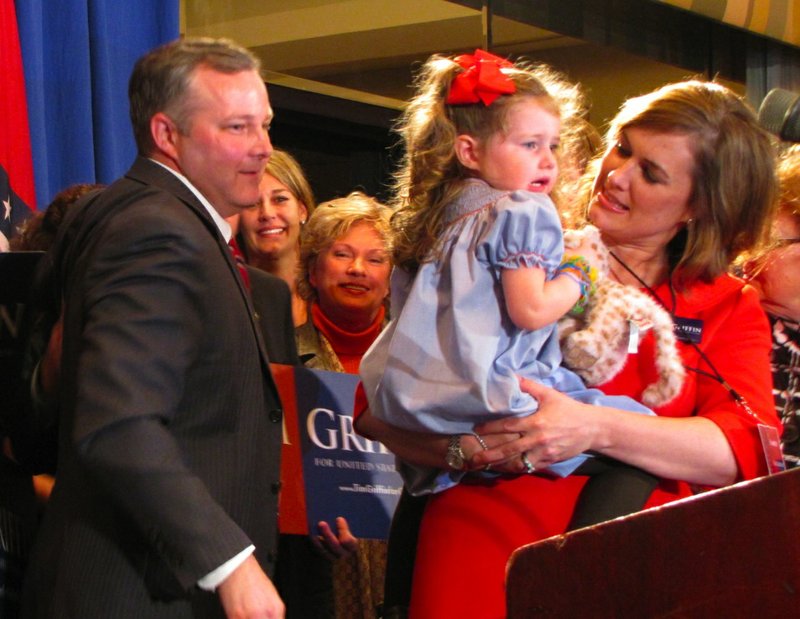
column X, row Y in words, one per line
column 13, row 211
column 17, row 196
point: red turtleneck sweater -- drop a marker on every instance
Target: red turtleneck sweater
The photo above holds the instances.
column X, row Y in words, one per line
column 347, row 345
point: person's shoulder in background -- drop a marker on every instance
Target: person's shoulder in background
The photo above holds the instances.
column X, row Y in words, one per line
column 272, row 302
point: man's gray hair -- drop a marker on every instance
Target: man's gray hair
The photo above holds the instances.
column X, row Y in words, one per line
column 161, row 78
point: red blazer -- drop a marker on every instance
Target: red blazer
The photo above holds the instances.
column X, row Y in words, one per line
column 469, row 531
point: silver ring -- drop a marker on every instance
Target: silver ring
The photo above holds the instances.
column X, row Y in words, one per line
column 529, row 468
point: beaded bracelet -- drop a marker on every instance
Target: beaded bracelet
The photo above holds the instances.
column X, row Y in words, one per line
column 480, row 440
column 584, row 274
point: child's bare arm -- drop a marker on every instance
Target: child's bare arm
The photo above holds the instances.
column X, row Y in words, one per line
column 534, row 302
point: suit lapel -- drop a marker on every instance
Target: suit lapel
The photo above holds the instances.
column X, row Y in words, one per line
column 150, row 173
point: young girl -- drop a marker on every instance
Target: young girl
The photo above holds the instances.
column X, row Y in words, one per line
column 480, row 279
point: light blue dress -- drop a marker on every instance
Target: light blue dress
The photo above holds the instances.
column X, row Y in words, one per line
column 450, row 358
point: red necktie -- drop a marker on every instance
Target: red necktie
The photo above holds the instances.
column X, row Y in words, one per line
column 240, row 263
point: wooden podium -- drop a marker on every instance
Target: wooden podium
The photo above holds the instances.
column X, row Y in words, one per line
column 728, row 553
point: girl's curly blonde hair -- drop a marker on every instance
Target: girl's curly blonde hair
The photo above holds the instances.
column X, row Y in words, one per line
column 430, row 175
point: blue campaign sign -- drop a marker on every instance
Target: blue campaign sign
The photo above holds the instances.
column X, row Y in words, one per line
column 345, row 474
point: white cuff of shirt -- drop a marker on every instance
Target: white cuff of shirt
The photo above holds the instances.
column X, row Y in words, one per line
column 214, row 579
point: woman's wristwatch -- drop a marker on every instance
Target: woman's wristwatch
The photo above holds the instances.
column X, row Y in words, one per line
column 455, row 458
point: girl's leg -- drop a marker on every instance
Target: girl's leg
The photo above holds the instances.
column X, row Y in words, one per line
column 614, row 489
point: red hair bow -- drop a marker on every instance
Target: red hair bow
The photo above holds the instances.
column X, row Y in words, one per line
column 481, row 79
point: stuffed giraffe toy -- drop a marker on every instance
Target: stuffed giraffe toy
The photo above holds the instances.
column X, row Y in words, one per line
column 596, row 342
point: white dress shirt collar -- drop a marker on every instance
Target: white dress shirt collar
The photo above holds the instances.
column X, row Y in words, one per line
column 224, row 227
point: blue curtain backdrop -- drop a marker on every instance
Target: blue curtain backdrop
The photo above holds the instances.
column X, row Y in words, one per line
column 78, row 56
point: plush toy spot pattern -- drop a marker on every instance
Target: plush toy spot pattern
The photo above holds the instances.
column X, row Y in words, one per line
column 596, row 343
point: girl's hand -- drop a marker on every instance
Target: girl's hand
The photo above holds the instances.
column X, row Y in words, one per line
column 560, row 429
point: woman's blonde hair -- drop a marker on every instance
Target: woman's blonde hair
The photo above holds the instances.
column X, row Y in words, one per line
column 733, row 183
column 288, row 171
column 430, row 174
column 331, row 221
column 789, row 181
column 787, row 204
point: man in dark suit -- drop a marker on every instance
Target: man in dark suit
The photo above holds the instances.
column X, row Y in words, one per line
column 165, row 503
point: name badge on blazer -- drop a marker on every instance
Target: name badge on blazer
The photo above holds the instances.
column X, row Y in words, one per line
column 688, row 329
column 771, row 442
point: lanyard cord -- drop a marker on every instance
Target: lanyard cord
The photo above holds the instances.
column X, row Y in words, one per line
column 738, row 398
column 648, row 288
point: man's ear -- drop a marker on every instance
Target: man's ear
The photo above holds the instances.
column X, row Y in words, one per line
column 165, row 134
column 466, row 148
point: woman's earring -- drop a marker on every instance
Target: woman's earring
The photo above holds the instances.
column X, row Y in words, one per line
column 302, row 222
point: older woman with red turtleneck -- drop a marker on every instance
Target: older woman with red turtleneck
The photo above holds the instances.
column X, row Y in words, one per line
column 344, row 276
column 345, row 261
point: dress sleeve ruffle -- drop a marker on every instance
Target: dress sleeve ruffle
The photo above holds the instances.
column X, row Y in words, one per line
column 526, row 233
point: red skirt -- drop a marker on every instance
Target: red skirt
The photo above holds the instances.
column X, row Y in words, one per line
column 469, row 532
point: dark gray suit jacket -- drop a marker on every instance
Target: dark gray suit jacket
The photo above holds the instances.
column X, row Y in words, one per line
column 273, row 304
column 170, row 428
